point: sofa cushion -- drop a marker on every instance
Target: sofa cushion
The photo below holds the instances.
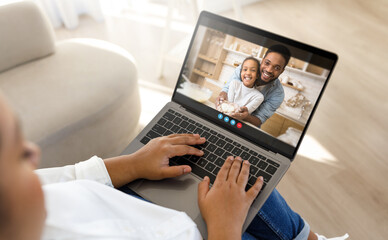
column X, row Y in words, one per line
column 25, row 33
column 81, row 79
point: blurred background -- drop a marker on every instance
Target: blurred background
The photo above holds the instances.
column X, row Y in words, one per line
column 337, row 181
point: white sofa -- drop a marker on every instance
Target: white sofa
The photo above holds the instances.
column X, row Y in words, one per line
column 75, row 98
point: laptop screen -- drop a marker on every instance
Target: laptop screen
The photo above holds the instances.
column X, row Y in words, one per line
column 259, row 85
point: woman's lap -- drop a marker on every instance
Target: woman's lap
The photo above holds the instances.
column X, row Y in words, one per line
column 276, row 220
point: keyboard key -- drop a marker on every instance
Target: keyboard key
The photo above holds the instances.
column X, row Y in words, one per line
column 213, row 139
column 185, row 118
column 271, row 169
column 245, row 155
column 181, row 131
column 205, row 153
column 151, row 134
column 184, row 124
column 168, row 132
column 262, row 157
column 194, row 158
column 253, row 170
column 168, row 116
column 244, row 148
column 175, row 128
column 219, row 162
column 265, row 175
column 178, row 114
column 228, row 147
column 213, row 132
column 226, row 155
column 162, row 121
column 253, row 160
column 220, row 135
column 191, row 121
column 236, row 151
column 253, row 152
column 216, row 170
column 168, row 125
column 159, row 129
column 171, row 111
column 145, row 140
column 198, row 124
column 206, row 128
column 211, row 147
column 273, row 163
column 236, row 144
column 198, row 130
column 205, row 135
column 252, row 180
column 202, row 162
column 211, row 157
column 210, row 167
column 228, row 140
column 262, row 165
column 190, row 128
column 202, row 173
column 220, row 143
column 177, row 120
column 219, row 151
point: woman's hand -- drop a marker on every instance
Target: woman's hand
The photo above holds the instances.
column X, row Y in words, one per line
column 225, row 206
column 152, row 161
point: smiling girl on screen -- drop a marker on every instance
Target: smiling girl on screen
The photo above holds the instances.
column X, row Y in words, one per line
column 244, row 93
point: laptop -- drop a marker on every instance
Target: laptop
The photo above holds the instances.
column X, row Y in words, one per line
column 217, row 47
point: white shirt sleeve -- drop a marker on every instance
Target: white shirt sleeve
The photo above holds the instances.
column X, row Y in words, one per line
column 93, row 169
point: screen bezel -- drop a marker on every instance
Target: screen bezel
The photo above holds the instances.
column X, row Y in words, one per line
column 259, row 138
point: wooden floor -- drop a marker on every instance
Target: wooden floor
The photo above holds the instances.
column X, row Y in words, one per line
column 338, row 181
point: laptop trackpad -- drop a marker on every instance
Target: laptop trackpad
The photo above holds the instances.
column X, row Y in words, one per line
column 176, row 193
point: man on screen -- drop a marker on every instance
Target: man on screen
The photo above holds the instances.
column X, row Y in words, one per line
column 273, row 64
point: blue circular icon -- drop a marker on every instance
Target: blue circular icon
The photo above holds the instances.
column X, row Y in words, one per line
column 232, row 122
column 220, row 116
column 226, row 119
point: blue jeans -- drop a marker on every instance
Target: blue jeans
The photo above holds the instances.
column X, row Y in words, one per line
column 275, row 220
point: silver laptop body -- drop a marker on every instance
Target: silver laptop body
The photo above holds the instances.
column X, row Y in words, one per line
column 181, row 193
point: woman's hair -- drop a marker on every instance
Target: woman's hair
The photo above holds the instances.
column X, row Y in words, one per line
column 258, row 69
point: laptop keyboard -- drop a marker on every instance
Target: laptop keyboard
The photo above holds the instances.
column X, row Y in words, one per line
column 216, row 149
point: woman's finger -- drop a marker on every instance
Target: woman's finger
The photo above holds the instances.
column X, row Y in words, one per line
column 181, row 150
column 222, row 175
column 187, row 139
column 255, row 189
column 235, row 170
column 242, row 179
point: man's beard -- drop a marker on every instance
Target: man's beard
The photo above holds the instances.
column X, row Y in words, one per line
column 260, row 82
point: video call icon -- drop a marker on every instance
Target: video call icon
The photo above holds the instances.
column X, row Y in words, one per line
column 231, row 121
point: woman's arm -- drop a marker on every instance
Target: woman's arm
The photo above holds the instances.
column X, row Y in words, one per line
column 152, row 161
column 149, row 162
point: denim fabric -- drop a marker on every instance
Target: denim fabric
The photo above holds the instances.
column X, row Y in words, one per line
column 273, row 96
column 274, row 221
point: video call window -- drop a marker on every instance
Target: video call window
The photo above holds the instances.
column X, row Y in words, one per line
column 212, row 63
